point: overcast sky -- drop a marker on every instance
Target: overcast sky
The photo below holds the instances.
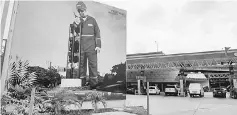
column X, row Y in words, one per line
column 179, row 26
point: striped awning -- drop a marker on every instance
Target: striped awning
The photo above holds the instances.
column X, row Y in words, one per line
column 196, row 76
column 219, row 75
column 196, row 79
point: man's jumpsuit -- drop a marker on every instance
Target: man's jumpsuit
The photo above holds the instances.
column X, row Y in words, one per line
column 90, row 39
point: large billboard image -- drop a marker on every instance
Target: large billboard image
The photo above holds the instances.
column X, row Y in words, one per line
column 79, row 46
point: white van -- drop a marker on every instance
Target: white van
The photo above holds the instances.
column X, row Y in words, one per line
column 196, row 89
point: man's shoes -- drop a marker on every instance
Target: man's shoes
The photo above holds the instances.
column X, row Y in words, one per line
column 96, row 86
column 94, row 83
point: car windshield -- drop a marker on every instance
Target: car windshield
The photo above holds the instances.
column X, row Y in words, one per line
column 151, row 87
column 219, row 88
column 194, row 86
column 131, row 86
column 170, row 86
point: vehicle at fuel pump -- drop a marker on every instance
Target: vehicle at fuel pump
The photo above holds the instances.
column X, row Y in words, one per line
column 154, row 90
column 196, row 89
column 171, row 90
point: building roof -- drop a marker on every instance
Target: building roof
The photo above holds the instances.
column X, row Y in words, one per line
column 152, row 54
column 152, row 57
column 144, row 54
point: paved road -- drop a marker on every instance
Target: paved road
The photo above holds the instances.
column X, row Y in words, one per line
column 173, row 105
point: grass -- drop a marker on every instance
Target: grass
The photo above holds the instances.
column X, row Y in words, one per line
column 112, row 96
column 83, row 112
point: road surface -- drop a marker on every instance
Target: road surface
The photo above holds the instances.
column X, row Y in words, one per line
column 174, row 105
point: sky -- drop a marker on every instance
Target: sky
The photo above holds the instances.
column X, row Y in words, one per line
column 179, row 26
column 42, row 30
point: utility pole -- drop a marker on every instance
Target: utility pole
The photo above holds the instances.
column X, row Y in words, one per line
column 156, row 46
column 50, row 65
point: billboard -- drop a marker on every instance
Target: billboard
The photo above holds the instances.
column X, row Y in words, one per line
column 42, row 36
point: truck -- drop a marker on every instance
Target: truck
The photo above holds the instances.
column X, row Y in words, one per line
column 196, row 89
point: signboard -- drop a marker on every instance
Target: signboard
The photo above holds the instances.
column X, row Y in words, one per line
column 41, row 34
column 141, row 78
column 235, row 83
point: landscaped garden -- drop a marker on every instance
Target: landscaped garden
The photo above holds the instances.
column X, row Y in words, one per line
column 36, row 91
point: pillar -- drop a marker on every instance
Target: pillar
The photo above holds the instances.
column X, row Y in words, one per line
column 162, row 87
column 139, row 87
column 181, row 87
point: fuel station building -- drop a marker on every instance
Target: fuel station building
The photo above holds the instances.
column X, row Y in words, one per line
column 209, row 68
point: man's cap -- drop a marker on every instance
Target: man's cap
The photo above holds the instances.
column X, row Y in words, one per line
column 81, row 6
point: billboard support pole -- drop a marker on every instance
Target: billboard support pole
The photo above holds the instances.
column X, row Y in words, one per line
column 1, row 41
column 8, row 34
column 147, row 89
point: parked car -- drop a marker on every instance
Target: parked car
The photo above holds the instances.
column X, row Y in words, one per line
column 233, row 93
column 131, row 89
column 171, row 90
column 219, row 92
column 154, row 90
column 196, row 89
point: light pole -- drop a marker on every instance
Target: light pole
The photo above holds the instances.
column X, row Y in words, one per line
column 156, row 45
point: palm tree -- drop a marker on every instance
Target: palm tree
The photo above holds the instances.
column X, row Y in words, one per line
column 20, row 81
column 19, row 85
column 19, row 75
column 95, row 97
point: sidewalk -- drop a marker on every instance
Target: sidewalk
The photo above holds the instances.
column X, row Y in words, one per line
column 114, row 113
column 110, row 104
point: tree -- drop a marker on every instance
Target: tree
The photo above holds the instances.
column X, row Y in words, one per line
column 46, row 77
column 119, row 71
column 108, row 79
column 53, row 76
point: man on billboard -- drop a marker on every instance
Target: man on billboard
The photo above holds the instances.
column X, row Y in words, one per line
column 90, row 44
